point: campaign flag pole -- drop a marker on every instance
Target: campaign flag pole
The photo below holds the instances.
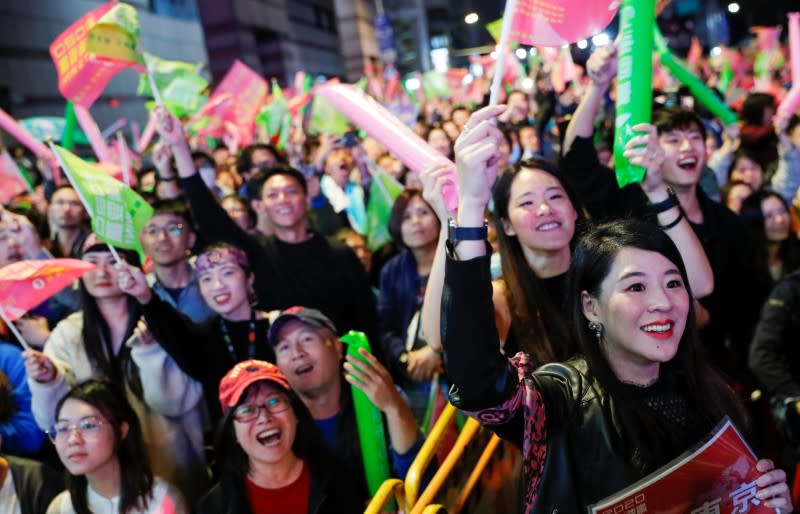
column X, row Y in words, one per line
column 497, row 79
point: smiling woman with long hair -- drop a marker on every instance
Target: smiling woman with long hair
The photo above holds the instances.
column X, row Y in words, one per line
column 99, row 440
column 97, row 342
column 238, row 331
column 271, row 456
column 636, row 395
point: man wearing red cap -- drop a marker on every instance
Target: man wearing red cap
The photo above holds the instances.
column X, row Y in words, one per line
column 309, row 354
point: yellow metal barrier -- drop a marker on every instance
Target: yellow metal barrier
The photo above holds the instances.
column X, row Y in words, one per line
column 390, row 489
column 467, row 433
column 426, row 454
column 483, row 461
column 434, row 509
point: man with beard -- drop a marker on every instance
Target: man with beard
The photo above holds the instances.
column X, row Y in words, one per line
column 167, row 239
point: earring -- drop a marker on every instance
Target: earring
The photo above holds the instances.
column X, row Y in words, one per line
column 598, row 329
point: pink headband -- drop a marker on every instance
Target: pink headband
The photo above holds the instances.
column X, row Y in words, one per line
column 219, row 256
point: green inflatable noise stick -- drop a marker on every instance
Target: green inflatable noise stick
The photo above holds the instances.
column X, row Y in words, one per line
column 369, row 421
column 699, row 90
column 634, row 82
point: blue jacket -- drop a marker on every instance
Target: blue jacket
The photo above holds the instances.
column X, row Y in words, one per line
column 20, row 433
column 397, row 302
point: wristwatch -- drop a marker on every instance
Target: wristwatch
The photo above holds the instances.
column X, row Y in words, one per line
column 666, row 204
column 456, row 234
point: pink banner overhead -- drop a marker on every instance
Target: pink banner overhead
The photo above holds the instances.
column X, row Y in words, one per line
column 558, row 22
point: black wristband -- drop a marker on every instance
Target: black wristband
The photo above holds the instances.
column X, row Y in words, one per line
column 170, row 179
column 667, row 204
column 677, row 220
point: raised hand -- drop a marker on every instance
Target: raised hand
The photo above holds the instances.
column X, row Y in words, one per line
column 602, row 65
column 433, row 179
column 373, row 379
column 476, row 156
column 132, row 282
column 162, row 160
column 645, row 151
column 169, row 127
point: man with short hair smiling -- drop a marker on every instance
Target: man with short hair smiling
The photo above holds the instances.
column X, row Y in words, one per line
column 310, row 355
column 167, row 240
column 295, row 266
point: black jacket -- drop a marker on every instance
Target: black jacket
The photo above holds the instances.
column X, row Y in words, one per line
column 331, row 492
column 575, row 452
column 35, row 484
column 724, row 239
column 774, row 353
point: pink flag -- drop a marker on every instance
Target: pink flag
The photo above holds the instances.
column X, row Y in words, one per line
column 26, row 284
column 695, row 53
column 90, row 128
column 563, row 71
column 558, row 22
column 82, row 75
column 237, row 99
column 11, row 181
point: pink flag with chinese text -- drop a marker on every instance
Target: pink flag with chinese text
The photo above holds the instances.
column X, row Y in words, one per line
column 82, row 75
column 26, row 284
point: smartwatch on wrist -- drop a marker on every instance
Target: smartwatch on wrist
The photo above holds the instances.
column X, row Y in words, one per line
column 456, row 234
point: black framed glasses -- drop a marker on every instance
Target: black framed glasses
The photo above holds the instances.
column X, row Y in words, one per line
column 250, row 411
column 87, row 427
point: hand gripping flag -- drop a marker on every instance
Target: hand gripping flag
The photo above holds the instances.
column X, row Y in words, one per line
column 118, row 212
column 26, row 284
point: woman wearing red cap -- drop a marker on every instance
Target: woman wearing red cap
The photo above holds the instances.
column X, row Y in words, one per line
column 271, row 458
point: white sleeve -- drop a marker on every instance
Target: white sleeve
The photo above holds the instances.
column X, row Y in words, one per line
column 44, row 397
column 167, row 389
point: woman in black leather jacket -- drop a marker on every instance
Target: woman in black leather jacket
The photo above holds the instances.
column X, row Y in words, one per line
column 637, row 397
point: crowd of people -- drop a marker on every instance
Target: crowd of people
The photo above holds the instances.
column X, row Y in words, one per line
column 570, row 316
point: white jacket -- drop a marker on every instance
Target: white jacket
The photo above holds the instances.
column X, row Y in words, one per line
column 62, row 504
column 172, row 414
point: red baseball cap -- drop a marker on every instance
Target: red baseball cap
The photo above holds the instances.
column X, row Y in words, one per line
column 241, row 376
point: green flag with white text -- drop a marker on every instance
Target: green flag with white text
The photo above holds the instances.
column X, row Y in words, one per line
column 118, row 212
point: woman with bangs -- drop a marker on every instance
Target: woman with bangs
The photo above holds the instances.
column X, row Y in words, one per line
column 105, row 340
column 271, row 456
column 415, row 228
column 238, row 331
column 98, row 438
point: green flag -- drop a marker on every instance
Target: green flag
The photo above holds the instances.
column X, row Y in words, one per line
column 435, row 85
column 494, row 28
column 326, row 119
column 52, row 127
column 382, row 193
column 273, row 115
column 118, row 212
column 182, row 88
